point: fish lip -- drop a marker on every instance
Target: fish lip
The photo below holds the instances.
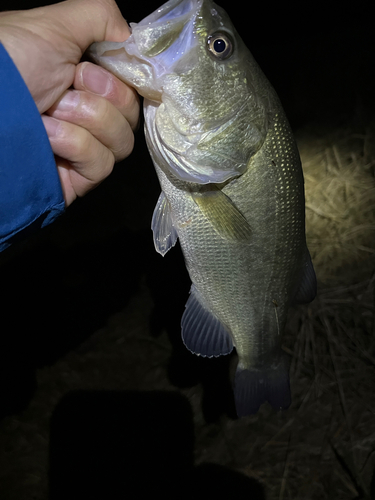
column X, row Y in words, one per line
column 174, row 24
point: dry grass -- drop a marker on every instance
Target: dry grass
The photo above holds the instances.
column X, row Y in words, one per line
column 340, row 205
column 333, row 355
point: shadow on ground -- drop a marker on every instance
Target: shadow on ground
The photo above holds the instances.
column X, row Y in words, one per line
column 112, row 444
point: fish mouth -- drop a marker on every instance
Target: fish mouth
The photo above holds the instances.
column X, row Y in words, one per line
column 163, row 37
column 157, row 45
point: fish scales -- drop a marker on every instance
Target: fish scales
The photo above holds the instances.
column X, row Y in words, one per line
column 232, row 188
column 246, row 267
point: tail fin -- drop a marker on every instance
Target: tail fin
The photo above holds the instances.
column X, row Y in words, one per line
column 254, row 387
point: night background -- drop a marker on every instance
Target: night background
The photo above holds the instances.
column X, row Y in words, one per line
column 98, row 395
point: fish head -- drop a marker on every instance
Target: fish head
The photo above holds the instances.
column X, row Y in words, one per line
column 211, row 102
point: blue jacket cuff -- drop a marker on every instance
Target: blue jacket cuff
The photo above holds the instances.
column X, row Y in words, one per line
column 30, row 190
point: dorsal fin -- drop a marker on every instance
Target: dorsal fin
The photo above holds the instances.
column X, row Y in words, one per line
column 202, row 332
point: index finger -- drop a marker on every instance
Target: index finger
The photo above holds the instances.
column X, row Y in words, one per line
column 97, row 80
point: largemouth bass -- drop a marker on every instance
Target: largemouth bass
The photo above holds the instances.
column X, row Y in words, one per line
column 232, row 188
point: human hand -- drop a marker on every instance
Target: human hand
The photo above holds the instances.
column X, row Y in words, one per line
column 88, row 113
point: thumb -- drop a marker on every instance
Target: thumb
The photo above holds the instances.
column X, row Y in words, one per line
column 90, row 21
column 46, row 43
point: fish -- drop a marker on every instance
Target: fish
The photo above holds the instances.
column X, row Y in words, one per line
column 232, row 188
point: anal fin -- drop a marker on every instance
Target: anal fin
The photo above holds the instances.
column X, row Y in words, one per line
column 254, row 387
column 202, row 332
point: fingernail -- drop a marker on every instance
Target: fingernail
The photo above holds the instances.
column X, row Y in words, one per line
column 69, row 101
column 51, row 125
column 95, row 79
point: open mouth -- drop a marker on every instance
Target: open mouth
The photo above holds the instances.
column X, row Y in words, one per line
column 168, row 32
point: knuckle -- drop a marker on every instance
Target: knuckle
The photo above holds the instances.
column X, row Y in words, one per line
column 105, row 164
column 80, row 143
column 93, row 110
column 84, row 144
column 125, row 145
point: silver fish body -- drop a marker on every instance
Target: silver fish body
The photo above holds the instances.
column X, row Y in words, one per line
column 232, row 188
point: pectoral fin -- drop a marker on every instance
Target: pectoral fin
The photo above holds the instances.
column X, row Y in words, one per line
column 165, row 235
column 202, row 332
column 223, row 215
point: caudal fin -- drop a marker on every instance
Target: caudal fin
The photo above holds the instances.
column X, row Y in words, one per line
column 254, row 387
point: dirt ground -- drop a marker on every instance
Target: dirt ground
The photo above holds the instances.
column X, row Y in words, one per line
column 100, row 399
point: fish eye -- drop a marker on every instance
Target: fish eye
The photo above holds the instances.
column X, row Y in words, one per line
column 220, row 45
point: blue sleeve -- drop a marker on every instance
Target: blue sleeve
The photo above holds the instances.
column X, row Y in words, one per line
column 30, row 190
